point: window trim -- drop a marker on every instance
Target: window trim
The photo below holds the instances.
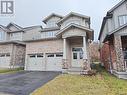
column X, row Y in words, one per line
column 48, row 34
column 125, row 15
column 2, row 35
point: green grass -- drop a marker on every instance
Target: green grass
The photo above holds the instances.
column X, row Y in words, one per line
column 10, row 70
column 101, row 84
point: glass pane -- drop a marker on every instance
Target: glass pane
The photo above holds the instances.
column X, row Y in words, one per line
column 77, row 49
column 2, row 55
column 125, row 55
column 7, row 54
column 59, row 55
column 81, row 55
column 39, row 55
column 74, row 55
column 50, row 55
column 31, row 56
column 122, row 20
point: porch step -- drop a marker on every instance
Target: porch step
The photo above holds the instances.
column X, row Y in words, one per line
column 122, row 75
column 76, row 70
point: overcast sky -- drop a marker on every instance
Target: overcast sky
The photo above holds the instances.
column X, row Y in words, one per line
column 32, row 12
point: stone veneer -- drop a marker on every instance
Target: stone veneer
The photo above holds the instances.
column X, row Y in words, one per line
column 119, row 53
column 18, row 56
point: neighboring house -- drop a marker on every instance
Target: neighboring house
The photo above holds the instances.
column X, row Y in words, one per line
column 113, row 39
column 12, row 47
column 64, row 44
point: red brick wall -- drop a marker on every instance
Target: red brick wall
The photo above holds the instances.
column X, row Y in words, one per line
column 113, row 55
column 104, row 55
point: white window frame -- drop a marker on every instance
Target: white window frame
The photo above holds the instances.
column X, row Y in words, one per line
column 16, row 36
column 2, row 35
column 122, row 19
column 51, row 24
column 48, row 34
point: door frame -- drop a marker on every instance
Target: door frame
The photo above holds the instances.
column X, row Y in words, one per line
column 78, row 57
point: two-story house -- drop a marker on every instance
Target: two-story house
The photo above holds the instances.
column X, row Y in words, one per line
column 12, row 47
column 113, row 39
column 64, row 44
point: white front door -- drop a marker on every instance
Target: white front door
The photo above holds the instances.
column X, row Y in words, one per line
column 77, row 57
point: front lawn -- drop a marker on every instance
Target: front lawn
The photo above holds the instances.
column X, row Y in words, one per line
column 101, row 84
column 10, row 70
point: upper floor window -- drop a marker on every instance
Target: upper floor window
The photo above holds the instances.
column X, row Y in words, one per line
column 51, row 24
column 122, row 20
column 16, row 36
column 49, row 34
column 2, row 35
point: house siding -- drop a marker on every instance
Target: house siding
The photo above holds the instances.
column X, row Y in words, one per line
column 32, row 34
column 76, row 20
column 5, row 48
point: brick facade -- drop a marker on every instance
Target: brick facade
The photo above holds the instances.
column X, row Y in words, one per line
column 104, row 55
column 17, row 54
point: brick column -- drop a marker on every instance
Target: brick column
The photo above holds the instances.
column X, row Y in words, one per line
column 119, row 53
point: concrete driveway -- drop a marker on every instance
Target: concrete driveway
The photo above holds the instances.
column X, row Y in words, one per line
column 23, row 83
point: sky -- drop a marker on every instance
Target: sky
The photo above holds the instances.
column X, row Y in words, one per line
column 32, row 12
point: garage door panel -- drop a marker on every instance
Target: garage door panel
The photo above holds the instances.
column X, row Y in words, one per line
column 54, row 62
column 36, row 62
column 5, row 60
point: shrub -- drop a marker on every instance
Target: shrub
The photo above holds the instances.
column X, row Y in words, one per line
column 92, row 72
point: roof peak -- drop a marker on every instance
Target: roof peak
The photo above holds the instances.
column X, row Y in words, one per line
column 51, row 15
column 116, row 6
column 73, row 13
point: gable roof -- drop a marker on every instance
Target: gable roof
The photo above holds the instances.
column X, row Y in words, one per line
column 73, row 14
column 77, row 26
column 109, row 15
column 116, row 30
column 103, row 24
column 116, row 6
column 15, row 25
column 51, row 15
column 4, row 28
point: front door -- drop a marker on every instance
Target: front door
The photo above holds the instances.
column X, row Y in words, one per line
column 77, row 57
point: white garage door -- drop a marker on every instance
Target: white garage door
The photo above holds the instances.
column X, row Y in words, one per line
column 54, row 62
column 36, row 62
column 5, row 60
